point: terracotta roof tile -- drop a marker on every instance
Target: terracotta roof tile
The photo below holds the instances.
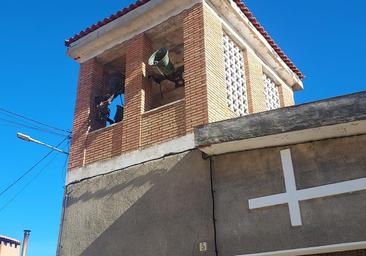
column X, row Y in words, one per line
column 265, row 34
column 239, row 3
column 111, row 18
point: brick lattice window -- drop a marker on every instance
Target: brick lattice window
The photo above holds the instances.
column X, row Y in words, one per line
column 271, row 93
column 235, row 77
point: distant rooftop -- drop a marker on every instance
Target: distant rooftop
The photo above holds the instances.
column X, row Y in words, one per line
column 9, row 240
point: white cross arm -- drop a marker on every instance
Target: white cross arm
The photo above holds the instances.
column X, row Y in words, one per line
column 310, row 193
column 292, row 196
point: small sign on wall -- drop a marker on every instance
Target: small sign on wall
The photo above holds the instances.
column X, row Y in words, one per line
column 203, row 247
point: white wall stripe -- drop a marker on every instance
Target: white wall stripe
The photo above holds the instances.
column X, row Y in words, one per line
column 314, row 250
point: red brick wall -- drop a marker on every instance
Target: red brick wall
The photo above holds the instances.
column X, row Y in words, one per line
column 164, row 123
column 195, row 70
column 90, row 144
column 205, row 94
column 103, row 144
column 89, row 85
column 138, row 52
column 140, row 129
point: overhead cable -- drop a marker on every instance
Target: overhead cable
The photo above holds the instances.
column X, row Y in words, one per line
column 18, row 124
column 32, row 120
column 30, row 169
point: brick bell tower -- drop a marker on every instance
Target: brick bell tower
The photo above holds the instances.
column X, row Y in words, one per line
column 150, row 74
column 230, row 67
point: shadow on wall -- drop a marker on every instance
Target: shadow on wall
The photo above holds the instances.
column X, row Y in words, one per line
column 158, row 208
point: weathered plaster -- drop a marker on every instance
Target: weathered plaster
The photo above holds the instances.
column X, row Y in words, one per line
column 331, row 118
column 241, row 176
column 161, row 207
column 131, row 158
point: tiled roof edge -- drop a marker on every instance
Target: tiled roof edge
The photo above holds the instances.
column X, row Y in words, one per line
column 99, row 24
column 239, row 3
column 269, row 39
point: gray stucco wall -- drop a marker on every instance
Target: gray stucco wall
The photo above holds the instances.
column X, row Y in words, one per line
column 241, row 176
column 163, row 207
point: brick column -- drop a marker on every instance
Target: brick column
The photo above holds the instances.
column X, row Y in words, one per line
column 90, row 84
column 195, row 70
column 137, row 86
column 255, row 83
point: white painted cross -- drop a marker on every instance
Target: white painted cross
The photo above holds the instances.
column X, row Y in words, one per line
column 292, row 196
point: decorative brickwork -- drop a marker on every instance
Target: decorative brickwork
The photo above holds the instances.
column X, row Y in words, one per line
column 271, row 93
column 235, row 77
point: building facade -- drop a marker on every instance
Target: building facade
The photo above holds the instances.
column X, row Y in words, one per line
column 9, row 246
column 230, row 71
column 173, row 172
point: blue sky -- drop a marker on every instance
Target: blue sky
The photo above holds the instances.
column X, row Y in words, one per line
column 324, row 38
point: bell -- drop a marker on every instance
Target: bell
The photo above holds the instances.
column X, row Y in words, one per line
column 116, row 83
column 160, row 59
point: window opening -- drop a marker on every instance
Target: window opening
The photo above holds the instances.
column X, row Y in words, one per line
column 109, row 109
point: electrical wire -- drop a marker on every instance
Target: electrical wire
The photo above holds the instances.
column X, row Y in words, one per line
column 26, row 186
column 17, row 124
column 30, row 169
column 34, row 121
column 64, row 167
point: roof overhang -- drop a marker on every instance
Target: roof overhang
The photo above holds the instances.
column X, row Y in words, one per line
column 146, row 14
column 143, row 18
column 9, row 240
column 337, row 117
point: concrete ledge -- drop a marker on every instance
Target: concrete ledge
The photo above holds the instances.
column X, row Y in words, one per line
column 126, row 160
column 335, row 117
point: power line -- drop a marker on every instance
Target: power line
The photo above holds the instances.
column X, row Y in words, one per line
column 32, row 120
column 17, row 124
column 30, row 169
column 64, row 167
column 25, row 186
